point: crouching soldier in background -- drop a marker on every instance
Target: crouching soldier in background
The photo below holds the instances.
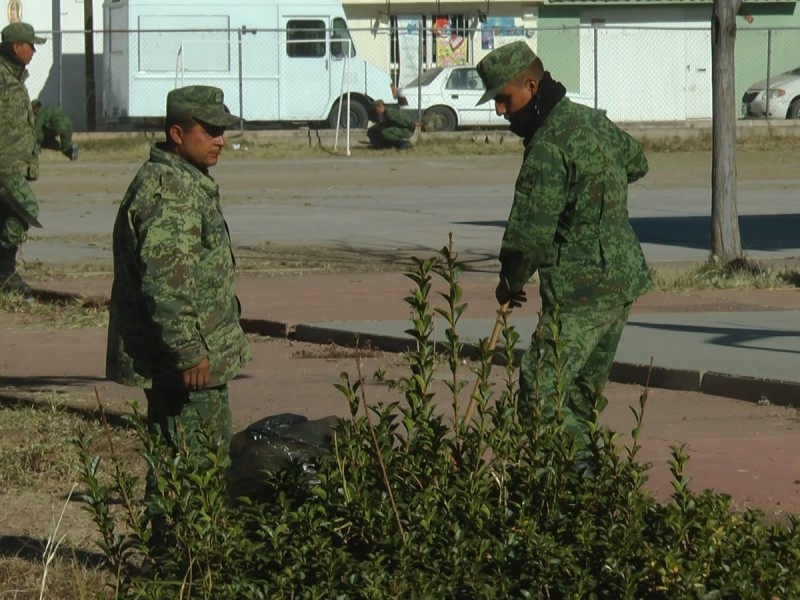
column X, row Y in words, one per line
column 54, row 129
column 392, row 129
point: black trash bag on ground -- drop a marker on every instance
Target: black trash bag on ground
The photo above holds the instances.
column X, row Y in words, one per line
column 275, row 443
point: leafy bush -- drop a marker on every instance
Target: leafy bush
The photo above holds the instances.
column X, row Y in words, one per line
column 412, row 503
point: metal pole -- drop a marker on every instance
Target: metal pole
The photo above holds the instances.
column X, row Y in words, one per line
column 347, row 70
column 420, row 32
column 58, row 39
column 88, row 61
column 241, row 83
column 596, row 78
column 769, row 66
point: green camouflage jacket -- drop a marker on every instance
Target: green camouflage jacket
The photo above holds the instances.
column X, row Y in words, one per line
column 394, row 117
column 17, row 143
column 172, row 300
column 569, row 219
column 53, row 119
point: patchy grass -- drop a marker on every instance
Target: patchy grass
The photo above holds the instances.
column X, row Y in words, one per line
column 497, row 141
column 37, row 462
column 56, row 311
column 334, row 352
column 737, row 275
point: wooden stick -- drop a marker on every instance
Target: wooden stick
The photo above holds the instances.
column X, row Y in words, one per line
column 498, row 327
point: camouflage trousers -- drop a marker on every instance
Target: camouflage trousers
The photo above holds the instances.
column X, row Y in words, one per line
column 13, row 230
column 387, row 137
column 169, row 410
column 60, row 139
column 571, row 353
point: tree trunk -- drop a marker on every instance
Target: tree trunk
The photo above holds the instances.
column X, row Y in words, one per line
column 726, row 244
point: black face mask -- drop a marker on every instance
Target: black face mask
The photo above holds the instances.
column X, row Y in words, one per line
column 525, row 120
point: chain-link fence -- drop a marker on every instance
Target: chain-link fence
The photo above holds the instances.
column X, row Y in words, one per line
column 299, row 74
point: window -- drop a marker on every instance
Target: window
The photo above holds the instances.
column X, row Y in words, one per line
column 341, row 40
column 464, row 79
column 305, row 39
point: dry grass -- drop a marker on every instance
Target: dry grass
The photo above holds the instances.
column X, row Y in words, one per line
column 36, row 476
column 55, row 311
column 738, row 275
column 489, row 142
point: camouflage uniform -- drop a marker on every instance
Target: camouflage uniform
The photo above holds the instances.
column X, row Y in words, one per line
column 19, row 160
column 172, row 301
column 392, row 129
column 50, row 122
column 569, row 221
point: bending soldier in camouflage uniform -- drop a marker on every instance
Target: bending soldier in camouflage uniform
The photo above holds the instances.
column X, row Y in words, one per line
column 569, row 221
column 174, row 317
column 392, row 129
column 54, row 129
column 19, row 160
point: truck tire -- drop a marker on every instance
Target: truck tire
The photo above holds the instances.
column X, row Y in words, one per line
column 359, row 115
column 794, row 109
column 439, row 118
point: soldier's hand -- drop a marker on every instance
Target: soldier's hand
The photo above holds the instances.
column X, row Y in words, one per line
column 513, row 299
column 198, row 376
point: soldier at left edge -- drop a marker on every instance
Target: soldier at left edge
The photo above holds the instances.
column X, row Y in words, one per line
column 19, row 158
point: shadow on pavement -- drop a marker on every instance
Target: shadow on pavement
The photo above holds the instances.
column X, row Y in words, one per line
column 758, row 232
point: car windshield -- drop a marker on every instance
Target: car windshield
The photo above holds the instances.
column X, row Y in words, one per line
column 427, row 77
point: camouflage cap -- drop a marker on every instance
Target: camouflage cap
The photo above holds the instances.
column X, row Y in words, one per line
column 203, row 102
column 501, row 66
column 21, row 32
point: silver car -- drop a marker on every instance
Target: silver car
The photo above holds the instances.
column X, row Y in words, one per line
column 783, row 97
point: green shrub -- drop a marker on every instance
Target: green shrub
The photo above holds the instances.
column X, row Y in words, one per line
column 412, row 503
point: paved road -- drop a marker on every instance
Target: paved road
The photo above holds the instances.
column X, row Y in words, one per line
column 399, row 216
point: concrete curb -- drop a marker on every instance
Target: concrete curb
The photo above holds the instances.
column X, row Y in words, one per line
column 739, row 387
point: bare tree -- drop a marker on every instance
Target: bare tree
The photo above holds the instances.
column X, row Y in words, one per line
column 726, row 243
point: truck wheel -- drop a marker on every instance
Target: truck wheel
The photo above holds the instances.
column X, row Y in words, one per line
column 359, row 116
column 439, row 118
column 794, row 109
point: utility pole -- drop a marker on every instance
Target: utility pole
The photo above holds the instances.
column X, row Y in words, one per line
column 726, row 243
column 88, row 62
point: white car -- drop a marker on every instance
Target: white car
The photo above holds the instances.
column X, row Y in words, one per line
column 784, row 97
column 449, row 99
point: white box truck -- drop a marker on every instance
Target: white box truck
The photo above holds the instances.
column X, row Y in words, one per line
column 276, row 60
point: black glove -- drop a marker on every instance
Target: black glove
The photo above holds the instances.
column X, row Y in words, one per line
column 506, row 296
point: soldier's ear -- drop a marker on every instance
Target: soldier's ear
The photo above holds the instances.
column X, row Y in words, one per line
column 175, row 135
column 532, row 85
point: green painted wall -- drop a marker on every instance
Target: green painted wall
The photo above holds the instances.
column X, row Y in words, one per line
column 558, row 44
column 752, row 43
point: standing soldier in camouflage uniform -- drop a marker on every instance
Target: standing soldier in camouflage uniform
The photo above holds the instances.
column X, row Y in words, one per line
column 54, row 129
column 174, row 317
column 19, row 160
column 569, row 221
column 392, row 129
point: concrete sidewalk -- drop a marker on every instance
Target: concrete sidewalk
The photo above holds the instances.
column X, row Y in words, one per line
column 736, row 344
column 745, row 355
column 741, row 344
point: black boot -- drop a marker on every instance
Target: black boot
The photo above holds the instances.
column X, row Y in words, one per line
column 10, row 281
